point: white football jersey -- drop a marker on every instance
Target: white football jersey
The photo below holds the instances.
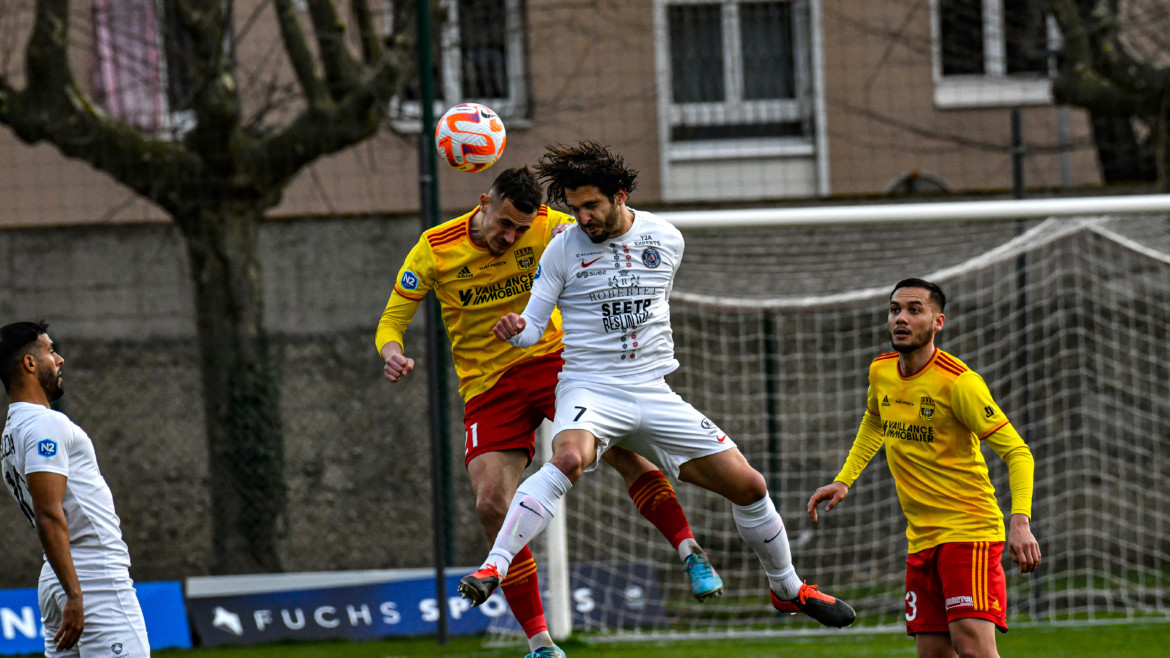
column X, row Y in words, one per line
column 37, row 439
column 614, row 301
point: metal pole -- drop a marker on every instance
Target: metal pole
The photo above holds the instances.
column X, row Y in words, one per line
column 772, row 402
column 1017, row 155
column 436, row 362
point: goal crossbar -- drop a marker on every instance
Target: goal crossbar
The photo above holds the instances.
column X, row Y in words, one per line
column 920, row 212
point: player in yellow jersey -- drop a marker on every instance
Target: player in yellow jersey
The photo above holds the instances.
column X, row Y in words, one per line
column 932, row 412
column 481, row 266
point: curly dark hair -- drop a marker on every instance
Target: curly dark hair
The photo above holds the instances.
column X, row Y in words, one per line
column 565, row 167
column 518, row 186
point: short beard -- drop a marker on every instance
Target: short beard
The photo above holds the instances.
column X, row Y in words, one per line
column 611, row 224
column 51, row 384
column 909, row 347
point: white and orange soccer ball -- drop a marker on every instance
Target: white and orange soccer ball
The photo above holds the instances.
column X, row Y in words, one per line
column 470, row 137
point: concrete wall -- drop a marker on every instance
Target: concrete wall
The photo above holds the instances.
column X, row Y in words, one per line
column 357, row 450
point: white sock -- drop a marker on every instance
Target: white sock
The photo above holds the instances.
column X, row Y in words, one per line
column 762, row 528
column 541, row 639
column 532, row 508
column 688, row 546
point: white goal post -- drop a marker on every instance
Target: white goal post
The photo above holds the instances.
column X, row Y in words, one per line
column 1062, row 305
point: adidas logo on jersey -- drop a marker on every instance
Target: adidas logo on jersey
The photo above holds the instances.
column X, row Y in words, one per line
column 464, row 273
column 885, row 400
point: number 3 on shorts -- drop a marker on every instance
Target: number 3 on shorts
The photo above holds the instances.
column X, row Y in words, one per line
column 911, row 606
column 579, row 414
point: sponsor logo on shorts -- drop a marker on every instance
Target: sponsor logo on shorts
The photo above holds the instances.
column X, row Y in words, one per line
column 960, row 602
column 116, row 648
column 47, row 448
column 409, row 280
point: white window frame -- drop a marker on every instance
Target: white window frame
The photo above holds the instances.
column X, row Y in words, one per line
column 734, row 108
column 407, row 115
column 994, row 88
column 172, row 124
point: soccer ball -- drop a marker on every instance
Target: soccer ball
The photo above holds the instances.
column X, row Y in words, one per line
column 470, row 137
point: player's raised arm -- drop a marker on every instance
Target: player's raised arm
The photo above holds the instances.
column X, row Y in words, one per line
column 415, row 280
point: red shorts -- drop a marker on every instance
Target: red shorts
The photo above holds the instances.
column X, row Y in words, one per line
column 505, row 417
column 952, row 581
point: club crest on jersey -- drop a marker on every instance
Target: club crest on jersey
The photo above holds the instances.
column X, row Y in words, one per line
column 409, row 280
column 525, row 258
column 927, row 408
column 47, row 448
column 651, row 257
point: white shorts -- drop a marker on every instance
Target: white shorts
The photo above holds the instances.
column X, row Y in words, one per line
column 114, row 627
column 648, row 418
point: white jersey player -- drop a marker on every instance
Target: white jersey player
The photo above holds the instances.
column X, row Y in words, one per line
column 87, row 599
column 611, row 279
column 613, row 298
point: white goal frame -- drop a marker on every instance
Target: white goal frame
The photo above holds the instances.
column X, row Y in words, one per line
column 556, row 561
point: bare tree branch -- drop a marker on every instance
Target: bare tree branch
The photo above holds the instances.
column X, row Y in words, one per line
column 1096, row 57
column 299, row 54
column 371, row 44
column 341, row 71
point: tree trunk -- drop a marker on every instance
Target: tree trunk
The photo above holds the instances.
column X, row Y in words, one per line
column 241, row 391
column 1123, row 159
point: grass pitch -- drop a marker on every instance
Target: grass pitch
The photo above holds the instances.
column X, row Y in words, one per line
column 1085, row 641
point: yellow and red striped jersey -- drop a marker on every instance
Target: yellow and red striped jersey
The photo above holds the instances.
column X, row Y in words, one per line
column 932, row 422
column 474, row 289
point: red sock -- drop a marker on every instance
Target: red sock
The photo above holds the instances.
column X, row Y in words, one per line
column 523, row 593
column 655, row 499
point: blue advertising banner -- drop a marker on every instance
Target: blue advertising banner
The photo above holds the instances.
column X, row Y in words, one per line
column 365, row 611
column 162, row 608
column 248, row 610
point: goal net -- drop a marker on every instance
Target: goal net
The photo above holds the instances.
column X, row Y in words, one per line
column 1067, row 319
